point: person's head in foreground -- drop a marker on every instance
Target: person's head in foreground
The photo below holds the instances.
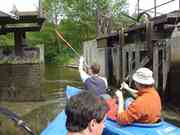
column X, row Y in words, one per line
column 94, row 69
column 85, row 114
column 143, row 78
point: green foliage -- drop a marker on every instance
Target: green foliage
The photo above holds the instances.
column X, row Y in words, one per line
column 55, row 51
column 46, row 37
column 76, row 20
column 7, row 40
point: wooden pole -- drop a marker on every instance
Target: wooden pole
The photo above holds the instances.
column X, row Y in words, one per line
column 138, row 7
column 155, row 8
column 18, row 37
column 61, row 37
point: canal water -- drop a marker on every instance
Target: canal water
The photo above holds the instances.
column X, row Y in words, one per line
column 39, row 114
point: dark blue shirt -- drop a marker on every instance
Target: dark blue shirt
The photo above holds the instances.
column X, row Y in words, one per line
column 96, row 85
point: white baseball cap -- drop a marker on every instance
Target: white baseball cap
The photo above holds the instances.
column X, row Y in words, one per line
column 143, row 76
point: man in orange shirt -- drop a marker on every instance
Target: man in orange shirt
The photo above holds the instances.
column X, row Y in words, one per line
column 146, row 108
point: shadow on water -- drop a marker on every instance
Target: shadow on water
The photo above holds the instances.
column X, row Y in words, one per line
column 39, row 114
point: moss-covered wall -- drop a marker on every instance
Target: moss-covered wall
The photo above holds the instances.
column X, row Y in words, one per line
column 21, row 77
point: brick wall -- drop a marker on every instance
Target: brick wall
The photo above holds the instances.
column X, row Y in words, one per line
column 21, row 82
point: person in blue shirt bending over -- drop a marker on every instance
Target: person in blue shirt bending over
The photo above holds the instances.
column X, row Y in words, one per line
column 92, row 81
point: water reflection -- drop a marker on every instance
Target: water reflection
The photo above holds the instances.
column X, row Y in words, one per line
column 39, row 114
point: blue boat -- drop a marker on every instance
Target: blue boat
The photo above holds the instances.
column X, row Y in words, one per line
column 57, row 127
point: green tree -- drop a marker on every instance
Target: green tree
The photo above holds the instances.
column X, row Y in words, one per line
column 76, row 19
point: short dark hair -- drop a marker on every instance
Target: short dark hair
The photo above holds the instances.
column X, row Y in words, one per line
column 95, row 68
column 82, row 108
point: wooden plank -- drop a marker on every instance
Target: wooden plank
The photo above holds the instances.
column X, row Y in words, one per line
column 156, row 64
column 130, row 55
column 110, row 66
column 113, row 61
column 166, row 64
column 140, row 47
column 130, row 62
column 168, row 54
column 124, row 62
column 149, row 30
column 137, row 58
column 118, row 65
column 164, row 69
column 106, row 63
column 131, row 48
